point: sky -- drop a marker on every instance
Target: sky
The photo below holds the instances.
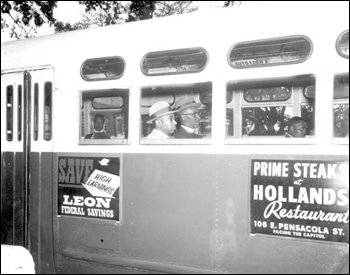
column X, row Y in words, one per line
column 71, row 11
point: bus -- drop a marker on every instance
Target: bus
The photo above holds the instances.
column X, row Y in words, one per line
column 243, row 198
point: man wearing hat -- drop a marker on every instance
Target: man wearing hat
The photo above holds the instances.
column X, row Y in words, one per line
column 163, row 119
column 187, row 110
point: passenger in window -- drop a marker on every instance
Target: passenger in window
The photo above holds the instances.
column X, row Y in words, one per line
column 249, row 127
column 187, row 112
column 163, row 119
column 99, row 131
column 296, row 128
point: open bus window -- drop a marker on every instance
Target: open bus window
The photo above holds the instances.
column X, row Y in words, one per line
column 176, row 114
column 341, row 106
column 342, row 44
column 180, row 61
column 104, row 117
column 106, row 68
column 270, row 52
column 264, row 107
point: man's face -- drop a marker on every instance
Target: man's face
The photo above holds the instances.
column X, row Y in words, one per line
column 299, row 129
column 191, row 118
column 167, row 124
column 98, row 123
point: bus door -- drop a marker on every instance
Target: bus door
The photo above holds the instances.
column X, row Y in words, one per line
column 26, row 154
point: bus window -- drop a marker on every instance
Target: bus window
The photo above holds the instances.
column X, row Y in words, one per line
column 229, row 115
column 19, row 112
column 264, row 107
column 341, row 106
column 270, row 52
column 106, row 68
column 181, row 61
column 104, row 117
column 197, row 99
column 9, row 113
column 36, row 112
column 48, row 111
column 308, row 109
column 342, row 44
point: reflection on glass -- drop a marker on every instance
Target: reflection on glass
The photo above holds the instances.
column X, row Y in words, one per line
column 107, row 102
column 342, row 44
column 267, row 94
column 229, row 122
column 191, row 60
column 265, row 121
column 274, row 51
column 102, row 68
column 341, row 120
column 308, row 113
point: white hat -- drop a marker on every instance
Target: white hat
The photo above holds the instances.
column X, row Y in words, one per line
column 161, row 108
column 185, row 103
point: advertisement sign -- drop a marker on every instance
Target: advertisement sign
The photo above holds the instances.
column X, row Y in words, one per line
column 300, row 199
column 89, row 187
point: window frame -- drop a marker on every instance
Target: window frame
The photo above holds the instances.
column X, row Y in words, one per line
column 89, row 95
column 295, row 83
column 178, row 88
column 102, row 58
column 181, row 65
column 262, row 65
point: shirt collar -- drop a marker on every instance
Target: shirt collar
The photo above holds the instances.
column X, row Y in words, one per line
column 190, row 130
column 160, row 134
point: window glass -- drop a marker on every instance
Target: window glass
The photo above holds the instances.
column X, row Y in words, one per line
column 36, row 112
column 270, row 52
column 48, row 111
column 104, row 117
column 264, row 107
column 152, row 96
column 310, row 92
column 342, row 44
column 9, row 113
column 341, row 106
column 267, row 94
column 308, row 114
column 19, row 112
column 181, row 61
column 265, row 121
column 105, row 68
column 107, row 102
column 182, row 116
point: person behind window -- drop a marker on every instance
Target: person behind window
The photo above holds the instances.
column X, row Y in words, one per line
column 99, row 131
column 187, row 110
column 296, row 128
column 163, row 119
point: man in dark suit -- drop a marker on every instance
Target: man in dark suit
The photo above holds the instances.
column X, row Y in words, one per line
column 187, row 110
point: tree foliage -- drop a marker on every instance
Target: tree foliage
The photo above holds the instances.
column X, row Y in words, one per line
column 23, row 17
column 26, row 16
column 102, row 13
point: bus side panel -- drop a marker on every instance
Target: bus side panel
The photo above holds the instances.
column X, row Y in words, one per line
column 166, row 220
column 7, row 198
column 46, row 239
column 168, row 208
column 241, row 252
column 12, row 199
column 41, row 239
column 19, row 193
column 182, row 213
